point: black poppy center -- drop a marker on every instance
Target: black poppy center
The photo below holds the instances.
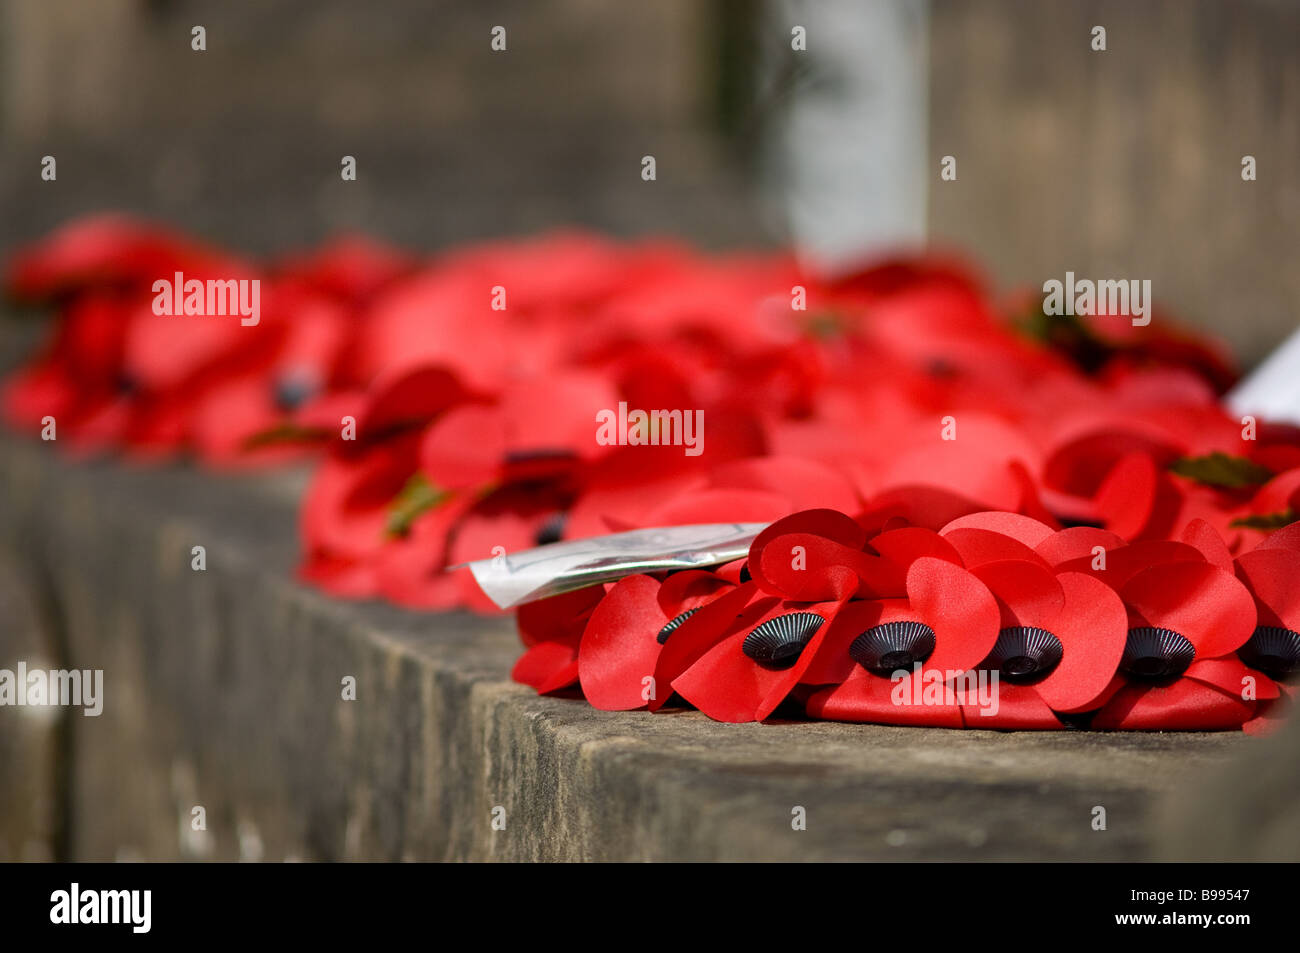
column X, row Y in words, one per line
column 886, row 648
column 1020, row 665
column 1023, row 653
column 1273, row 650
column 675, row 623
column 1152, row 652
column 777, row 642
column 552, row 530
column 294, row 389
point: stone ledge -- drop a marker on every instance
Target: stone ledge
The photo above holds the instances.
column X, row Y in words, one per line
column 222, row 689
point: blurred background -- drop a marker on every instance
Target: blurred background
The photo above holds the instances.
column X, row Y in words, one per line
column 1124, row 162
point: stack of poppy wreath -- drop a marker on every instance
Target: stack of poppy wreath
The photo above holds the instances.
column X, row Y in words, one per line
column 452, row 405
column 995, row 621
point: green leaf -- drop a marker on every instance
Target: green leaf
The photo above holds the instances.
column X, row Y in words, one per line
column 1222, row 470
column 1066, row 334
column 284, row 433
column 1267, row 521
column 416, row 498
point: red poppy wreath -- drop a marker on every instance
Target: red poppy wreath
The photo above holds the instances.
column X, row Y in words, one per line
column 976, row 515
column 996, row 620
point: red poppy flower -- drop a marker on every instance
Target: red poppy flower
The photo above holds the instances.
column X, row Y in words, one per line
column 550, row 630
column 77, row 378
column 412, row 569
column 535, row 429
column 1061, row 633
column 798, row 625
column 1270, row 573
column 346, row 511
column 350, row 268
column 631, row 487
column 104, row 252
column 1186, row 620
column 947, row 623
column 628, row 630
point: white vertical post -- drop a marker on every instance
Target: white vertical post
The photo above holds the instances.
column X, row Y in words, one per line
column 848, row 165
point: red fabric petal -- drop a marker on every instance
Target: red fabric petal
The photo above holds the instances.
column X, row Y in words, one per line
column 411, row 571
column 1092, row 627
column 807, row 484
column 931, row 507
column 346, row 508
column 975, row 465
column 1229, row 674
column 906, row 545
column 864, row 697
column 705, row 629
column 960, row 609
column 408, row 396
column 689, row 589
column 1204, row 604
column 465, row 448
column 1124, row 563
column 1288, row 537
column 227, row 417
column 1028, row 593
column 1273, row 578
column 1117, row 683
column 831, row 524
column 558, row 412
column 806, row 568
column 1080, row 464
column 832, row 662
column 1127, row 497
column 558, row 619
column 1016, row 708
column 979, row 546
column 1026, row 530
column 620, row 647
column 1078, row 542
column 107, row 249
column 719, row 506
column 1184, row 705
column 727, row 685
column 1206, row 538
column 547, row 667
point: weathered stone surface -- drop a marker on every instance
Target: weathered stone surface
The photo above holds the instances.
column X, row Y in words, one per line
column 223, row 691
column 1247, row 810
column 32, row 740
column 1126, row 163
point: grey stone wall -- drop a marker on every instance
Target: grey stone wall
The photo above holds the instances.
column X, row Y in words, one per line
column 1127, row 163
column 453, row 140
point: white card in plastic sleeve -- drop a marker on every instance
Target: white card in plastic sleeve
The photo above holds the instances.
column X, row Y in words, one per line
column 515, row 578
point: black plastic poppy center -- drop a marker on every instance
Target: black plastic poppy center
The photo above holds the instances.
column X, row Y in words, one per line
column 1154, row 653
column 1273, row 650
column 675, row 623
column 1023, row 653
column 886, row 648
column 292, row 390
column 777, row 642
column 552, row 530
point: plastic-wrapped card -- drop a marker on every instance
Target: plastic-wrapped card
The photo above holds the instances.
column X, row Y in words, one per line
column 513, row 579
